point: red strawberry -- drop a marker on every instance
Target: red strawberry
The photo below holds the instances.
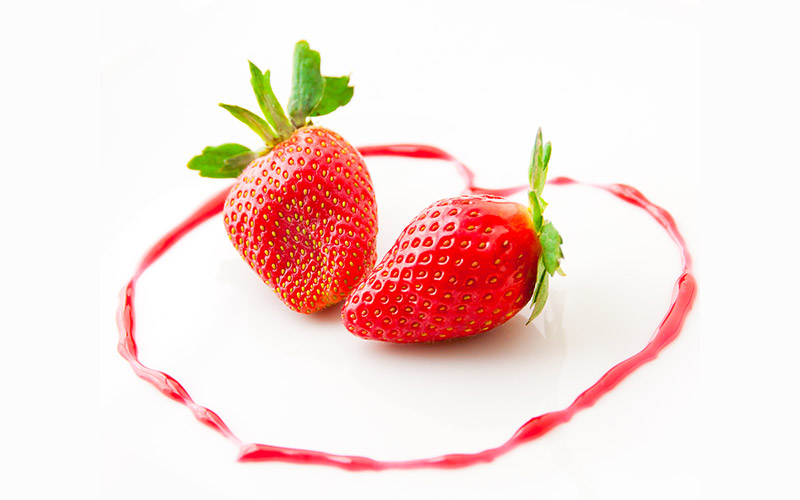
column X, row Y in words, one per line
column 302, row 213
column 463, row 266
column 304, row 218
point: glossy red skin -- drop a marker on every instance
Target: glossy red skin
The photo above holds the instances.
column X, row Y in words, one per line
column 463, row 266
column 304, row 218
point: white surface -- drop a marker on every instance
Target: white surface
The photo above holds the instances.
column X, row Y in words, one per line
column 693, row 102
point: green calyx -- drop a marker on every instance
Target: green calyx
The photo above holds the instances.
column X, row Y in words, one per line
column 312, row 95
column 549, row 239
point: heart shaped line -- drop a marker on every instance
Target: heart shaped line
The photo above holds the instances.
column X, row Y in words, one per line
column 684, row 293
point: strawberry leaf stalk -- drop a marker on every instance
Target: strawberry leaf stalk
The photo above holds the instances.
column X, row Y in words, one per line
column 312, row 95
column 549, row 239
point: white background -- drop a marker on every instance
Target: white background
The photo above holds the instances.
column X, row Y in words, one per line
column 693, row 102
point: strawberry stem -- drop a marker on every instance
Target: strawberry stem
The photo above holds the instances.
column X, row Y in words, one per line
column 312, row 95
column 549, row 238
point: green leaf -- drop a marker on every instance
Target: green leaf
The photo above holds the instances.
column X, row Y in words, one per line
column 546, row 157
column 212, row 161
column 549, row 239
column 551, row 248
column 533, row 167
column 537, row 177
column 536, row 211
column 240, row 161
column 307, row 83
column 269, row 104
column 540, row 292
column 255, row 122
column 540, row 159
column 337, row 92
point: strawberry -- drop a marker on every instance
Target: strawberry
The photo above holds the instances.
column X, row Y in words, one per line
column 302, row 212
column 463, row 266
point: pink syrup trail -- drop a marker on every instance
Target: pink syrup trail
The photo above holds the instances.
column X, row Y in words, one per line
column 684, row 292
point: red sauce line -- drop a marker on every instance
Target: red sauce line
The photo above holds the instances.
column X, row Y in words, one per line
column 126, row 320
column 684, row 293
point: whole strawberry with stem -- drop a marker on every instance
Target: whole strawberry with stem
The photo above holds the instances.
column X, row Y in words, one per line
column 302, row 212
column 463, row 266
